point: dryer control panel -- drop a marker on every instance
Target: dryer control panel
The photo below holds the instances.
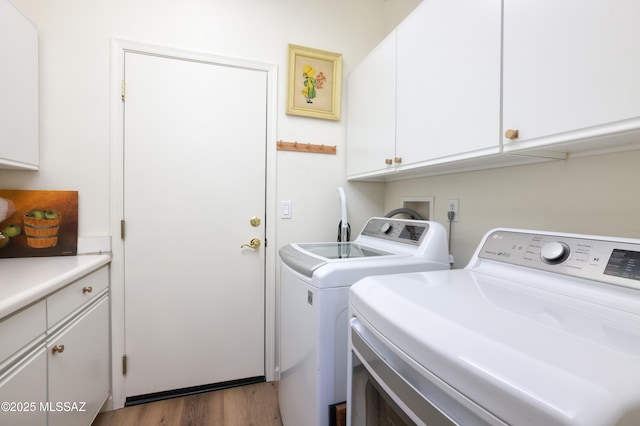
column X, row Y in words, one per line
column 610, row 260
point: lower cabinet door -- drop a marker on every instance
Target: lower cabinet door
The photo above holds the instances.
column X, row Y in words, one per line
column 79, row 368
column 23, row 391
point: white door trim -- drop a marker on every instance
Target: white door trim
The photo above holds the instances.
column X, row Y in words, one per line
column 118, row 48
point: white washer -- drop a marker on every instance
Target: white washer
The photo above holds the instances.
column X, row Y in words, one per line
column 540, row 328
column 314, row 287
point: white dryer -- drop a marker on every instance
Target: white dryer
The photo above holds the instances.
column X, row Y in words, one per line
column 314, row 286
column 540, row 328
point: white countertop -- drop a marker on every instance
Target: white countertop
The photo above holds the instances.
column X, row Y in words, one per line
column 27, row 280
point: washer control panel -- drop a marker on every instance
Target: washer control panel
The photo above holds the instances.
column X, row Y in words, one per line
column 554, row 252
column 399, row 230
column 615, row 260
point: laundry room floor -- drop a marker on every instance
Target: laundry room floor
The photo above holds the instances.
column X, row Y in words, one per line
column 240, row 406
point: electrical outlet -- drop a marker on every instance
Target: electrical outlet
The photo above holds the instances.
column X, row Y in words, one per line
column 454, row 206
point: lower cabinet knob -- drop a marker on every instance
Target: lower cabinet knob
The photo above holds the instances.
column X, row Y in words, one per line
column 388, row 161
column 58, row 349
column 511, row 134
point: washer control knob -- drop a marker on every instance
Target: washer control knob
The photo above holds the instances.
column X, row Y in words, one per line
column 386, row 227
column 554, row 252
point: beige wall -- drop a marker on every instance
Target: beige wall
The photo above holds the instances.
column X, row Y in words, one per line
column 592, row 194
column 75, row 75
column 395, row 11
column 589, row 195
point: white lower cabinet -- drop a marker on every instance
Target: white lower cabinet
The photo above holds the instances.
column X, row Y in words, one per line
column 55, row 362
column 79, row 368
column 23, row 388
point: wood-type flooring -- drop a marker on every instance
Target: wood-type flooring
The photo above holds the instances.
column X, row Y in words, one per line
column 250, row 405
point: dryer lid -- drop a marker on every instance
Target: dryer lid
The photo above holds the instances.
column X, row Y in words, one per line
column 518, row 352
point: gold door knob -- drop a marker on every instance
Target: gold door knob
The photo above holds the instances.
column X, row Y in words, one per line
column 397, row 160
column 511, row 134
column 388, row 161
column 254, row 244
column 87, row 289
column 57, row 349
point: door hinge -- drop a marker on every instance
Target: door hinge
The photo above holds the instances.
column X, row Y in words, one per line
column 122, row 228
column 123, row 91
column 124, row 365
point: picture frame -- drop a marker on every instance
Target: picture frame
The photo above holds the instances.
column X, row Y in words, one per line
column 315, row 83
column 38, row 223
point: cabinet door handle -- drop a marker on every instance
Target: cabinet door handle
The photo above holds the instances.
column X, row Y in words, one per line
column 58, row 349
column 388, row 161
column 87, row 289
column 511, row 134
column 397, row 160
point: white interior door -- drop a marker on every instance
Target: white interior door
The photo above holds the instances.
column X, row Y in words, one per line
column 194, row 176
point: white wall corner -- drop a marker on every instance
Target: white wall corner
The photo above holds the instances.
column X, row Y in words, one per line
column 94, row 245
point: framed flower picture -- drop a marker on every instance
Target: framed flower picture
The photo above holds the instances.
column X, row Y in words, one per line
column 315, row 83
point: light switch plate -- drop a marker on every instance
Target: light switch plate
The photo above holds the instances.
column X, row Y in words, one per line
column 285, row 210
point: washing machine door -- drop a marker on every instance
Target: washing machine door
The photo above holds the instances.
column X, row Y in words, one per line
column 300, row 261
column 305, row 258
column 341, row 250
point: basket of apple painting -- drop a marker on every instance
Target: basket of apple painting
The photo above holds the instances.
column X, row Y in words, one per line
column 41, row 228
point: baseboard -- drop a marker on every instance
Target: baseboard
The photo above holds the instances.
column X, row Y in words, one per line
column 176, row 393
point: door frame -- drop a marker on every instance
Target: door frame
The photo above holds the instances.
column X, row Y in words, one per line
column 118, row 346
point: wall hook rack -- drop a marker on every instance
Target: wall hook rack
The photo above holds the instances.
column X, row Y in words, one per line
column 306, row 147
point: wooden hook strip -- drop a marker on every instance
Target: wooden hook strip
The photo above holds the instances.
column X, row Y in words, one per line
column 306, row 147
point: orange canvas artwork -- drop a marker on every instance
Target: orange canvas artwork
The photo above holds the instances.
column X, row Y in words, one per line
column 38, row 223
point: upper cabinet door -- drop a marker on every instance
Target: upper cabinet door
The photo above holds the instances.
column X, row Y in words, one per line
column 371, row 106
column 571, row 70
column 448, row 95
column 18, row 89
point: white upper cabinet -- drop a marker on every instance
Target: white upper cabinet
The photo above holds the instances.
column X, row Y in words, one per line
column 448, row 93
column 478, row 81
column 430, row 98
column 18, row 89
column 571, row 74
column 371, row 106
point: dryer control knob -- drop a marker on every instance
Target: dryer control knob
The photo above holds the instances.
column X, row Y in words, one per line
column 386, row 227
column 554, row 252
